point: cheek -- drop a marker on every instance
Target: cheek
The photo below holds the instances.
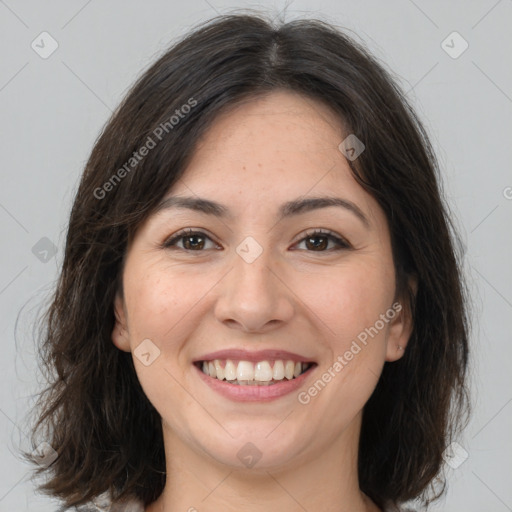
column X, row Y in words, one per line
column 349, row 307
column 161, row 306
column 349, row 299
column 157, row 303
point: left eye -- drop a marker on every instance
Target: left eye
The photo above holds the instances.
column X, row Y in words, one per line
column 319, row 240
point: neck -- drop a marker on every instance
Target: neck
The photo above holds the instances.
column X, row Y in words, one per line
column 196, row 482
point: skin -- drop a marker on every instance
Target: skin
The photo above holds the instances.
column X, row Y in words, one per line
column 293, row 297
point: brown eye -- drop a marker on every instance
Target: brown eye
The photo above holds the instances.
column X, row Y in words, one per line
column 193, row 242
column 190, row 241
column 318, row 241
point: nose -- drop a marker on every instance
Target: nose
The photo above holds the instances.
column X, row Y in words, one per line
column 253, row 296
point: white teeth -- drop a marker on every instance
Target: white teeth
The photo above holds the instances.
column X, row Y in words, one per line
column 289, row 368
column 278, row 372
column 229, row 370
column 263, row 371
column 218, row 369
column 245, row 371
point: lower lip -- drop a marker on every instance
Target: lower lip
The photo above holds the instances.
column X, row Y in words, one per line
column 242, row 393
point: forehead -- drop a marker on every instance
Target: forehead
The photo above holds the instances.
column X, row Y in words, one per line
column 272, row 146
column 283, row 121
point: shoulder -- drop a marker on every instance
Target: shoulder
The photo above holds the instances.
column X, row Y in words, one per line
column 103, row 504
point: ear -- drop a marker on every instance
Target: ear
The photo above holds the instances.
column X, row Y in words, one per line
column 120, row 336
column 401, row 326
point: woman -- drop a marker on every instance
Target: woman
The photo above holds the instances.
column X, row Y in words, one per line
column 260, row 304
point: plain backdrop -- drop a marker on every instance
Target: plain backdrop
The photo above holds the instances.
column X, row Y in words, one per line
column 53, row 108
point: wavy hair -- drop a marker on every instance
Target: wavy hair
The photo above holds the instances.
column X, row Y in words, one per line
column 94, row 412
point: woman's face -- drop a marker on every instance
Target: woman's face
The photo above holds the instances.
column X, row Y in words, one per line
column 248, row 289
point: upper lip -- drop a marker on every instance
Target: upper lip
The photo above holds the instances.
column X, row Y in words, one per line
column 254, row 356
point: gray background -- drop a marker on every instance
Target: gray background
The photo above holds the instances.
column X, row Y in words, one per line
column 53, row 109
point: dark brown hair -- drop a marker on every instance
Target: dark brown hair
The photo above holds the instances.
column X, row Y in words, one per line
column 94, row 413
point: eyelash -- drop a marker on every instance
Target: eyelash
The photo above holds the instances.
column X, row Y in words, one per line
column 340, row 242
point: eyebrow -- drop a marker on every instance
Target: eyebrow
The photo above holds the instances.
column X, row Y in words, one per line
column 288, row 209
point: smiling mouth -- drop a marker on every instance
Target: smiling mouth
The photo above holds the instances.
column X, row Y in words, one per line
column 247, row 373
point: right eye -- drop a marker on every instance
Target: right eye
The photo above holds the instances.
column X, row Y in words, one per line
column 193, row 241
